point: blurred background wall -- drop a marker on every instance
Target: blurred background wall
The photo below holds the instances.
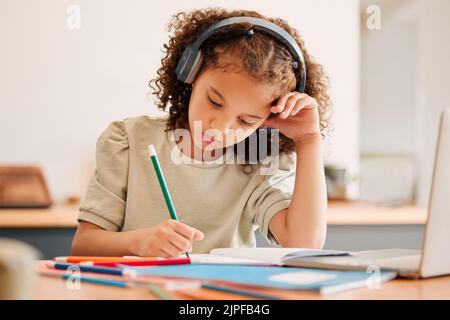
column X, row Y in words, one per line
column 404, row 87
column 60, row 87
column 69, row 68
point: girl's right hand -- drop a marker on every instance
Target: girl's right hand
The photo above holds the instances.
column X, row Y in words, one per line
column 168, row 239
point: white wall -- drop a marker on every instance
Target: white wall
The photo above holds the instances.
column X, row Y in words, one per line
column 59, row 88
column 434, row 84
column 389, row 76
column 389, row 71
column 405, row 85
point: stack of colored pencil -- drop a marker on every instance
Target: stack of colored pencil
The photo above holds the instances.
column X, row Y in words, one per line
column 113, row 271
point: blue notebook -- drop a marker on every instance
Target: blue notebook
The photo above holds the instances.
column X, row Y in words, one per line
column 324, row 281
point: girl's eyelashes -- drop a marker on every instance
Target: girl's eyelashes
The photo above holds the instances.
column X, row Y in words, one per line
column 218, row 105
column 215, row 104
column 246, row 123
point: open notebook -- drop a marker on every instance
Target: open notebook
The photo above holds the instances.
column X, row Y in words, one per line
column 260, row 256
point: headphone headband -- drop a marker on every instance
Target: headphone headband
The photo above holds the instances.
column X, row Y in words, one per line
column 192, row 58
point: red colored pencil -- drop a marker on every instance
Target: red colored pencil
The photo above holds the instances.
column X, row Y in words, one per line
column 78, row 259
column 138, row 263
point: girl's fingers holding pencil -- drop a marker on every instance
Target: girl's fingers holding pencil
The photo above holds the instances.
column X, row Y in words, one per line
column 164, row 254
column 168, row 239
column 188, row 232
column 198, row 235
column 171, row 250
column 180, row 242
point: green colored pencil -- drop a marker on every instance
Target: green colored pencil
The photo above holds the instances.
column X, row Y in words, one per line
column 160, row 293
column 162, row 183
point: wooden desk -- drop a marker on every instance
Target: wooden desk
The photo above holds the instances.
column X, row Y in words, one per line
column 434, row 288
column 339, row 213
column 361, row 213
column 57, row 216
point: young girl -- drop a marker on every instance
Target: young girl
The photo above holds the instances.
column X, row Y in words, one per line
column 247, row 82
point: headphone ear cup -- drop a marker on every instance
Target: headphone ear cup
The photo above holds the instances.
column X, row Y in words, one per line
column 195, row 67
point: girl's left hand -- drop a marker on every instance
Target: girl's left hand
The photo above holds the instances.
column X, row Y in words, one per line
column 298, row 118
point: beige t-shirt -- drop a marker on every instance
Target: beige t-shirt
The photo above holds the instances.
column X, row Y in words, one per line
column 216, row 197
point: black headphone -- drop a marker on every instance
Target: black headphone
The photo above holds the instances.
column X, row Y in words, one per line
column 192, row 58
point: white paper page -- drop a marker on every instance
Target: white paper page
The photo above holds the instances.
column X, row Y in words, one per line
column 203, row 258
column 270, row 255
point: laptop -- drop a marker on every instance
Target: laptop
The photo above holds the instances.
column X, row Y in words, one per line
column 434, row 258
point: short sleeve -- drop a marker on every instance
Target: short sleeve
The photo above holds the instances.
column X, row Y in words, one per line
column 272, row 194
column 103, row 204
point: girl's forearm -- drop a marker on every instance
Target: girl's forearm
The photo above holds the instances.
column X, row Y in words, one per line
column 99, row 242
column 306, row 220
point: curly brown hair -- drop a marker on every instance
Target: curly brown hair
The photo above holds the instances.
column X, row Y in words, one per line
column 264, row 58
